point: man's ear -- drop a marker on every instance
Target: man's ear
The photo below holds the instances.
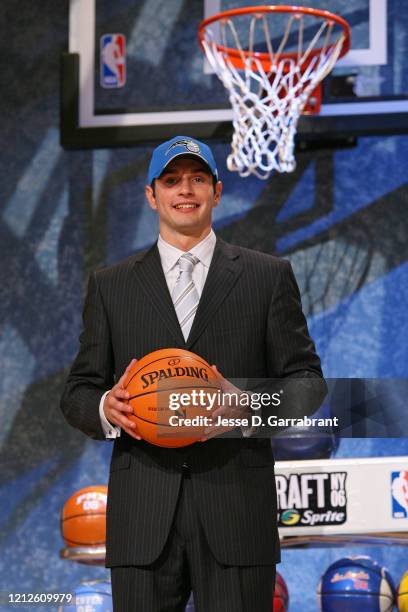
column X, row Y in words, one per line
column 150, row 197
column 217, row 193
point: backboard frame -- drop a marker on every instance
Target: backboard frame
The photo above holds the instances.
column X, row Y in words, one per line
column 82, row 127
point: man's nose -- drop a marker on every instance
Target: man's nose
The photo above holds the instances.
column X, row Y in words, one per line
column 185, row 185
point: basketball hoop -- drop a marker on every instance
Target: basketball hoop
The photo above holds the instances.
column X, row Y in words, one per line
column 269, row 90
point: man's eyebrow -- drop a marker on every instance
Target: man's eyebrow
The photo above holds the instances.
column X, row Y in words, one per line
column 198, row 168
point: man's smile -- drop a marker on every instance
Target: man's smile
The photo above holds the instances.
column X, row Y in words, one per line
column 186, row 206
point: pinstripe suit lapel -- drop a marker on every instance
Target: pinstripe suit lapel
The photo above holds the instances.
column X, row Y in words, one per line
column 224, row 271
column 150, row 276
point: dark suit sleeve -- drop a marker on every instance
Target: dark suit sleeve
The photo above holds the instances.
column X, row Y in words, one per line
column 292, row 361
column 92, row 371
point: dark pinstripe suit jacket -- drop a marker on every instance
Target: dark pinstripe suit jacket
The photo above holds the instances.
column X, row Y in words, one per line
column 249, row 322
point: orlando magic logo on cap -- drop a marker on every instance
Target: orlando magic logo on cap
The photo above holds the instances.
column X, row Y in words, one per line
column 180, row 146
column 190, row 145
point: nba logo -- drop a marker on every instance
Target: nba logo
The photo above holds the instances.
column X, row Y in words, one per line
column 399, row 493
column 113, row 60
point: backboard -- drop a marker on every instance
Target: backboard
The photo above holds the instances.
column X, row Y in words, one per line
column 166, row 86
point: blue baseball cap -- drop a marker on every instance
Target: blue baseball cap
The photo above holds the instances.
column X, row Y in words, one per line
column 180, row 146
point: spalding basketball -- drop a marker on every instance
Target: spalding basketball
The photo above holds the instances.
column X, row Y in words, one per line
column 356, row 583
column 281, row 595
column 403, row 594
column 83, row 518
column 171, row 393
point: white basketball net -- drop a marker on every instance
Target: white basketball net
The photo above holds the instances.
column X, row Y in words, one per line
column 267, row 104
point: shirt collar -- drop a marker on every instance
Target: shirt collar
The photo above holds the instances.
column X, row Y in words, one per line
column 169, row 254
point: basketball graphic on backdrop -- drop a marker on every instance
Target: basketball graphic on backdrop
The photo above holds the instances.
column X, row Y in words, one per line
column 169, row 393
column 83, row 517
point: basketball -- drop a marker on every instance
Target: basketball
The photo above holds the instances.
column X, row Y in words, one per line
column 302, row 443
column 170, row 391
column 294, row 443
column 83, row 518
column 90, row 596
column 281, row 595
column 356, row 583
column 402, row 601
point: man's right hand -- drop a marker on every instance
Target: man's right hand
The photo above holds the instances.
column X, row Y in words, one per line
column 116, row 407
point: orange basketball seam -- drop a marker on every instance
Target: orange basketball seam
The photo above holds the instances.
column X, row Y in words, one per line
column 97, row 543
column 68, row 518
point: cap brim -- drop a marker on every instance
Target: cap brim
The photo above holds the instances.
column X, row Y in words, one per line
column 190, row 155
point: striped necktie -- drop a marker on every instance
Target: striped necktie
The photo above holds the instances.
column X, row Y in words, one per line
column 185, row 295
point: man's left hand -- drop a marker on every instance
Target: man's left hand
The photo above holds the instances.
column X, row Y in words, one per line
column 230, row 411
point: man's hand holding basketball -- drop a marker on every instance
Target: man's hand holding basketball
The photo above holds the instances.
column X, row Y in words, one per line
column 231, row 411
column 116, row 407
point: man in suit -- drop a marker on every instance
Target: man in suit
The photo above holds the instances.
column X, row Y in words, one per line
column 201, row 517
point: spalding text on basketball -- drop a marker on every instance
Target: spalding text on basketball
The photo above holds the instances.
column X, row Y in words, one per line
column 156, row 375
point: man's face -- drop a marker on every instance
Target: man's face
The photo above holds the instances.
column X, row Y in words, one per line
column 184, row 197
